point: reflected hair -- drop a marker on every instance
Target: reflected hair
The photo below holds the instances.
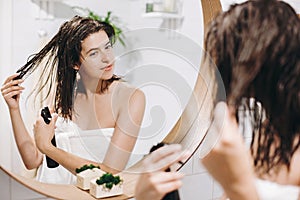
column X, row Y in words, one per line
column 256, row 48
column 58, row 58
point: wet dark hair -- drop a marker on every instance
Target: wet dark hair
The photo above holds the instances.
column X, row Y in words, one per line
column 61, row 54
column 256, row 48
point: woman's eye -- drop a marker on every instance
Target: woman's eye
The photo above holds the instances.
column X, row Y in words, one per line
column 94, row 53
column 108, row 46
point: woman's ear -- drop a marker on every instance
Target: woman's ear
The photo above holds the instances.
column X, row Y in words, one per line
column 76, row 67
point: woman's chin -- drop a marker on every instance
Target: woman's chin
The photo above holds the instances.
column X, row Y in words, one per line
column 107, row 75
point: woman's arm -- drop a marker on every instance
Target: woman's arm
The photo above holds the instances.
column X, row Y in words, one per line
column 126, row 131
column 43, row 134
column 11, row 91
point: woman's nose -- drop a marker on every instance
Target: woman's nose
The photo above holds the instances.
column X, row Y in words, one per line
column 104, row 57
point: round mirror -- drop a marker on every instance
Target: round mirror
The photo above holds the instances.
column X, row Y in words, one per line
column 160, row 61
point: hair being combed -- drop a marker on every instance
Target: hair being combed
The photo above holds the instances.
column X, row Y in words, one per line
column 62, row 53
column 256, row 48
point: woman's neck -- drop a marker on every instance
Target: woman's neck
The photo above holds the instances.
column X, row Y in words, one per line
column 92, row 87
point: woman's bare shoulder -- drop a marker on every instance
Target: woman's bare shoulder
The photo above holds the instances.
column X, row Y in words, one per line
column 295, row 166
column 126, row 89
column 129, row 95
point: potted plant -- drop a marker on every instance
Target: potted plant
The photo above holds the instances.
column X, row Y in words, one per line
column 108, row 18
column 85, row 174
column 107, row 185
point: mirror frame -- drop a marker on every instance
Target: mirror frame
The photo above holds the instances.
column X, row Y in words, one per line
column 180, row 133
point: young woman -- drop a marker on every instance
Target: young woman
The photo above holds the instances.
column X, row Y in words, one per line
column 256, row 48
column 79, row 63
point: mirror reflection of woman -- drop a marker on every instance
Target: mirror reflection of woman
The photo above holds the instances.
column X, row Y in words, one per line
column 256, row 48
column 79, row 62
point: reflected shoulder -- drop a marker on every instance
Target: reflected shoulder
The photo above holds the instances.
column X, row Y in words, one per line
column 130, row 91
column 131, row 96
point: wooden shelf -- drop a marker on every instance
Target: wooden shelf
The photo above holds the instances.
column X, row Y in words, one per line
column 162, row 15
column 60, row 191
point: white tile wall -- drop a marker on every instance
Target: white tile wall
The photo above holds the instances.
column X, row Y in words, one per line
column 197, row 187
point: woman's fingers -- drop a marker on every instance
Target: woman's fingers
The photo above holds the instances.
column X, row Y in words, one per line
column 43, row 133
column 11, row 89
column 163, row 177
column 11, row 94
column 10, row 80
column 167, row 182
column 164, row 157
column 153, row 186
column 54, row 119
column 170, row 186
column 165, row 151
column 10, row 86
column 156, row 183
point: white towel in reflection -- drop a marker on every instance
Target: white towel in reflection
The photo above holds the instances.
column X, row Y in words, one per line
column 268, row 190
column 88, row 144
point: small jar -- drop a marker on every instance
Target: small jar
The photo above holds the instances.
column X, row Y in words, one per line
column 149, row 6
column 169, row 6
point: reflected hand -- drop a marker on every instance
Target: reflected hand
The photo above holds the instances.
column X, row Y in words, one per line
column 156, row 183
column 43, row 133
column 11, row 89
column 229, row 162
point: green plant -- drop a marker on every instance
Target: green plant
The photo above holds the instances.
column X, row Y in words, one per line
column 85, row 167
column 109, row 180
column 112, row 20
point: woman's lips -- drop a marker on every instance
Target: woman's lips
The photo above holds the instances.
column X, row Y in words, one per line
column 107, row 68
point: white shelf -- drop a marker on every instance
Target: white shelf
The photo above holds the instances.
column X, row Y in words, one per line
column 163, row 15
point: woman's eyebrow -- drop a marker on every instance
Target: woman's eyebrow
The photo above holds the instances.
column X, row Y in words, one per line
column 97, row 48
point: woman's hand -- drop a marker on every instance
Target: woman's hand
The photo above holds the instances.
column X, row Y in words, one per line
column 229, row 161
column 155, row 183
column 43, row 133
column 11, row 91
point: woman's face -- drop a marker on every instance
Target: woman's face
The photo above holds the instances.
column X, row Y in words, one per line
column 97, row 58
